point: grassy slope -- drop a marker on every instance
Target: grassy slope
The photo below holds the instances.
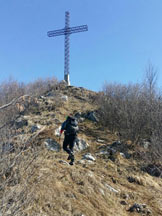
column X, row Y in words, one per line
column 59, row 189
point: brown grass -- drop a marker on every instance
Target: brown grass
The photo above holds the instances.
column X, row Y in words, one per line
column 47, row 187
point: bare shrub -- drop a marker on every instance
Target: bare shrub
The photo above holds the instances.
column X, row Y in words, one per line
column 16, row 172
column 120, row 109
column 134, row 110
column 10, row 89
column 17, row 167
column 16, row 156
column 41, row 86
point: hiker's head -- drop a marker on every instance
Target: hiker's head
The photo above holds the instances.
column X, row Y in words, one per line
column 69, row 117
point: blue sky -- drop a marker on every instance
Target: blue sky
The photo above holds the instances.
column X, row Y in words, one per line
column 123, row 36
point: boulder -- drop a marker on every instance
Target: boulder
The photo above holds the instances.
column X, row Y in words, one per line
column 80, row 145
column 91, row 116
column 153, row 170
column 52, row 145
column 107, row 152
column 110, row 151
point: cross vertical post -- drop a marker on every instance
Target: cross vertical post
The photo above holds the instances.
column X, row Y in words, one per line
column 67, row 31
column 67, row 48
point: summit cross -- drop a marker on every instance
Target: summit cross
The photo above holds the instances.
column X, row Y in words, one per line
column 67, row 31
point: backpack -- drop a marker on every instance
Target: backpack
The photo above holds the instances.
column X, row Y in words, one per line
column 71, row 126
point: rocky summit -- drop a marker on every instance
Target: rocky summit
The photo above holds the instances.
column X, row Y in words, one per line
column 106, row 179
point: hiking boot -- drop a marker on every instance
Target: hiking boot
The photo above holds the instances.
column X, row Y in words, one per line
column 72, row 158
column 71, row 163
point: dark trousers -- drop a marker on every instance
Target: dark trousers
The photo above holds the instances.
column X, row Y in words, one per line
column 68, row 143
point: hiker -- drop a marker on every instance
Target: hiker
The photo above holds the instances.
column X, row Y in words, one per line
column 70, row 128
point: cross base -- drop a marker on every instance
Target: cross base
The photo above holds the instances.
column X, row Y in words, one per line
column 66, row 78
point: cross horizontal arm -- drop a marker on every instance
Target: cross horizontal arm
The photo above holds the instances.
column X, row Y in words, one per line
column 65, row 31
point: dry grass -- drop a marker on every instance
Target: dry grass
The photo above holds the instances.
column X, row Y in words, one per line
column 47, row 187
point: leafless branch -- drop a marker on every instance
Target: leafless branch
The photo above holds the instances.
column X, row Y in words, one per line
column 13, row 102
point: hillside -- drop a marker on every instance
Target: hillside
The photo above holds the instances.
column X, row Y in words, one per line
column 37, row 181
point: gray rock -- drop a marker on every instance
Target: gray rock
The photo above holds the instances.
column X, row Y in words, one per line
column 122, row 154
column 80, row 145
column 57, row 121
column 131, row 179
column 108, row 153
column 139, row 208
column 88, row 156
column 34, row 128
column 124, row 196
column 111, row 189
column 64, row 162
column 20, row 122
column 145, row 144
column 102, row 191
column 102, row 152
column 78, row 115
column 116, row 144
column 8, row 147
column 123, row 202
column 135, row 180
column 53, row 115
column 52, row 145
column 83, row 161
column 57, row 131
column 79, row 214
column 92, row 116
column 64, row 98
column 51, row 94
column 8, row 212
column 153, row 170
column 100, row 141
column 111, row 150
column 81, row 120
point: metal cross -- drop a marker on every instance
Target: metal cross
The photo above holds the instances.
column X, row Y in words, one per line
column 67, row 31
